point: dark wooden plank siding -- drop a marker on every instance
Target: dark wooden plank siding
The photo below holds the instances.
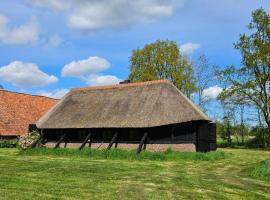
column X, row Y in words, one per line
column 202, row 134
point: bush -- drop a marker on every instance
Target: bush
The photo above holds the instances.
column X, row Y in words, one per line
column 261, row 170
column 8, row 144
column 222, row 143
column 27, row 141
column 121, row 154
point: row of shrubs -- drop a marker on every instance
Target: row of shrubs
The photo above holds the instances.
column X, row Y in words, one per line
column 24, row 142
column 253, row 143
column 8, row 144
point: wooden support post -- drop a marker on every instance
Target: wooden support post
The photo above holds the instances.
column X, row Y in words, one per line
column 142, row 142
column 112, row 141
column 90, row 143
column 59, row 141
column 85, row 141
column 100, row 145
column 116, row 143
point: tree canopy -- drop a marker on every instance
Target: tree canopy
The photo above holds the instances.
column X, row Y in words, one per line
column 162, row 60
column 250, row 82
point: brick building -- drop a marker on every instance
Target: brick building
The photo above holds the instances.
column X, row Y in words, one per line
column 18, row 110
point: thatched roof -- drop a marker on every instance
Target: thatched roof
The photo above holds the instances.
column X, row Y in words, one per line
column 132, row 105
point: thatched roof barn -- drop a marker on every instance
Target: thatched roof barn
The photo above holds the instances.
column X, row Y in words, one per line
column 157, row 108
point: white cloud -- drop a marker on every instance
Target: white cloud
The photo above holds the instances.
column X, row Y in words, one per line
column 57, row 94
column 84, row 68
column 103, row 80
column 25, row 75
column 189, row 48
column 211, row 92
column 27, row 33
column 89, row 70
column 104, row 14
column 52, row 4
column 55, row 40
column 91, row 15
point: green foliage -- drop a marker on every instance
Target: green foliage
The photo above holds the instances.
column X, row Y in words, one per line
column 252, row 136
column 8, row 144
column 120, row 154
column 223, row 143
column 162, row 60
column 259, row 136
column 261, row 170
column 28, row 140
column 249, row 83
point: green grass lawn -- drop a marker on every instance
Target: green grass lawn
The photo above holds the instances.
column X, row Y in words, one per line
column 48, row 176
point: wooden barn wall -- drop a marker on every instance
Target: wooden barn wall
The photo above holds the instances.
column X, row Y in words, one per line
column 200, row 133
column 177, row 134
column 206, row 137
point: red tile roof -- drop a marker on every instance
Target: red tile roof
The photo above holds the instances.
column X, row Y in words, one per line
column 18, row 110
column 123, row 85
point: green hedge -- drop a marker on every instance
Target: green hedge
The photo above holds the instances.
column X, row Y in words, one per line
column 8, row 144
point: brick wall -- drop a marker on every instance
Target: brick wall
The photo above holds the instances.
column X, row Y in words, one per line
column 17, row 110
column 149, row 147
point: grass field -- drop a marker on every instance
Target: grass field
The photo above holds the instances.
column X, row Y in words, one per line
column 72, row 177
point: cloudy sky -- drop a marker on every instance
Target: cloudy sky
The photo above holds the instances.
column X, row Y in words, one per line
column 49, row 46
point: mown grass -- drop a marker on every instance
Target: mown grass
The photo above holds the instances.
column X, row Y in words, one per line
column 261, row 170
column 115, row 154
column 48, row 175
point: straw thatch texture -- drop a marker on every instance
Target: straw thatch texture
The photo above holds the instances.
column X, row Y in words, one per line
column 135, row 105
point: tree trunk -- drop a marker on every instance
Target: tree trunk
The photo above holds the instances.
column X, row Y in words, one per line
column 266, row 131
column 263, row 140
column 261, row 129
column 242, row 123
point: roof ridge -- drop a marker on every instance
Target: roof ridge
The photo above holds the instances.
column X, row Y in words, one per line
column 33, row 95
column 124, row 85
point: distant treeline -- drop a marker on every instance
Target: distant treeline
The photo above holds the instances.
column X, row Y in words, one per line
column 243, row 89
column 241, row 136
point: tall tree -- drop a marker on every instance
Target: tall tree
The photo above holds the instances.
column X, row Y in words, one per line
column 228, row 121
column 250, row 81
column 239, row 104
column 162, row 60
column 204, row 74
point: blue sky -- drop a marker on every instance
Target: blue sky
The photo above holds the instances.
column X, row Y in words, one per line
column 49, row 46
